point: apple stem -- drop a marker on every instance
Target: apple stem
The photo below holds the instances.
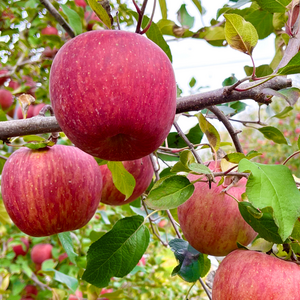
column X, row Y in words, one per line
column 54, row 135
column 141, row 13
column 151, row 19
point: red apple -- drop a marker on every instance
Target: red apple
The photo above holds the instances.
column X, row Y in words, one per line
column 40, row 253
column 81, row 3
column 253, row 275
column 49, row 53
column 142, row 261
column 51, row 190
column 21, row 249
column 49, row 30
column 62, row 257
column 6, row 99
column 37, row 108
column 78, row 295
column 14, row 84
column 105, row 291
column 142, row 171
column 210, row 220
column 30, row 291
column 3, row 79
column 29, row 112
column 28, row 81
column 91, row 18
column 119, row 101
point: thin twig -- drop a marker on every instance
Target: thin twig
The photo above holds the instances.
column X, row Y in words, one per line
column 207, row 291
column 151, row 19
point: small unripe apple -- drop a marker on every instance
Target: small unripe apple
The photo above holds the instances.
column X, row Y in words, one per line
column 51, row 190
column 6, row 99
column 49, row 30
column 121, row 96
column 211, row 221
column 142, row 171
column 245, row 275
column 41, row 252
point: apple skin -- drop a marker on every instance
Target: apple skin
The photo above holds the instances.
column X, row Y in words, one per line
column 81, row 3
column 117, row 99
column 18, row 249
column 41, row 252
column 37, row 108
column 211, row 221
column 78, row 295
column 30, row 291
column 29, row 112
column 254, row 275
column 51, row 190
column 3, row 79
column 6, row 98
column 142, row 171
column 49, row 30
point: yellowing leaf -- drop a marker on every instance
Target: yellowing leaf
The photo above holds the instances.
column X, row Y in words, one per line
column 100, row 12
column 240, row 35
column 4, row 217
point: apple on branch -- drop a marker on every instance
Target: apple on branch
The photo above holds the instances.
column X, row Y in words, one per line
column 51, row 190
column 117, row 99
column 211, row 221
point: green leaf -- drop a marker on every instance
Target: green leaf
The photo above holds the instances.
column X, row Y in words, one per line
column 240, row 35
column 273, row 186
column 252, row 154
column 273, row 134
column 73, row 18
column 262, row 223
column 293, row 66
column 66, row 241
column 296, row 231
column 199, row 168
column 194, row 135
column 4, row 217
column 3, row 116
column 33, row 138
column 210, row 131
column 122, row 179
column 169, row 192
column 273, row 6
column 184, row 18
column 199, row 6
column 163, row 9
column 260, row 71
column 291, row 95
column 154, row 34
column 213, row 35
column 71, row 282
column 192, row 263
column 117, row 252
column 284, row 113
column 37, row 145
column 192, row 82
column 229, row 80
column 186, row 158
column 100, row 12
column 235, row 157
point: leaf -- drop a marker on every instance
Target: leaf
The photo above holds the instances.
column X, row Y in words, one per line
column 154, row 34
column 117, row 252
column 260, row 71
column 184, row 18
column 240, row 35
column 291, row 95
column 122, row 179
column 66, row 241
column 199, row 6
column 273, row 186
column 163, row 9
column 262, row 223
column 292, row 67
column 199, row 168
column 261, row 245
column 33, row 138
column 229, row 81
column 3, row 116
column 73, row 18
column 273, row 134
column 100, row 12
column 210, row 131
column 194, row 135
column 235, row 157
column 186, row 158
column 192, row 82
column 192, row 264
column 169, row 192
column 4, row 217
column 71, row 282
column 39, row 145
column 273, row 6
column 296, row 231
column 284, row 113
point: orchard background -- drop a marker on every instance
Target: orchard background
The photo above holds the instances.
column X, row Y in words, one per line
column 261, row 146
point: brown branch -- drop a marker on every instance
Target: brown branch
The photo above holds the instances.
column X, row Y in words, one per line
column 58, row 17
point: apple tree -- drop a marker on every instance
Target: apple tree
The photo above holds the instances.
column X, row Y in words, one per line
column 104, row 196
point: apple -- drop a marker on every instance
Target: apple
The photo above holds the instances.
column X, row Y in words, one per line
column 41, row 252
column 62, row 257
column 211, row 221
column 30, row 291
column 14, row 84
column 142, row 171
column 78, row 295
column 51, row 190
column 37, row 108
column 81, row 3
column 117, row 99
column 49, row 53
column 3, row 79
column 6, row 99
column 254, row 275
column 49, row 30
column 105, row 291
column 91, row 18
column 21, row 249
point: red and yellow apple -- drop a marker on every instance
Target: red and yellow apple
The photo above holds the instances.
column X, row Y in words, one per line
column 142, row 171
column 254, row 275
column 113, row 94
column 6, row 99
column 51, row 190
column 211, row 221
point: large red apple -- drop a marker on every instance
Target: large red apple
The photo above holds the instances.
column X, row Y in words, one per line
column 51, row 190
column 22, row 248
column 41, row 252
column 253, row 275
column 210, row 220
column 6, row 99
column 142, row 171
column 113, row 94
